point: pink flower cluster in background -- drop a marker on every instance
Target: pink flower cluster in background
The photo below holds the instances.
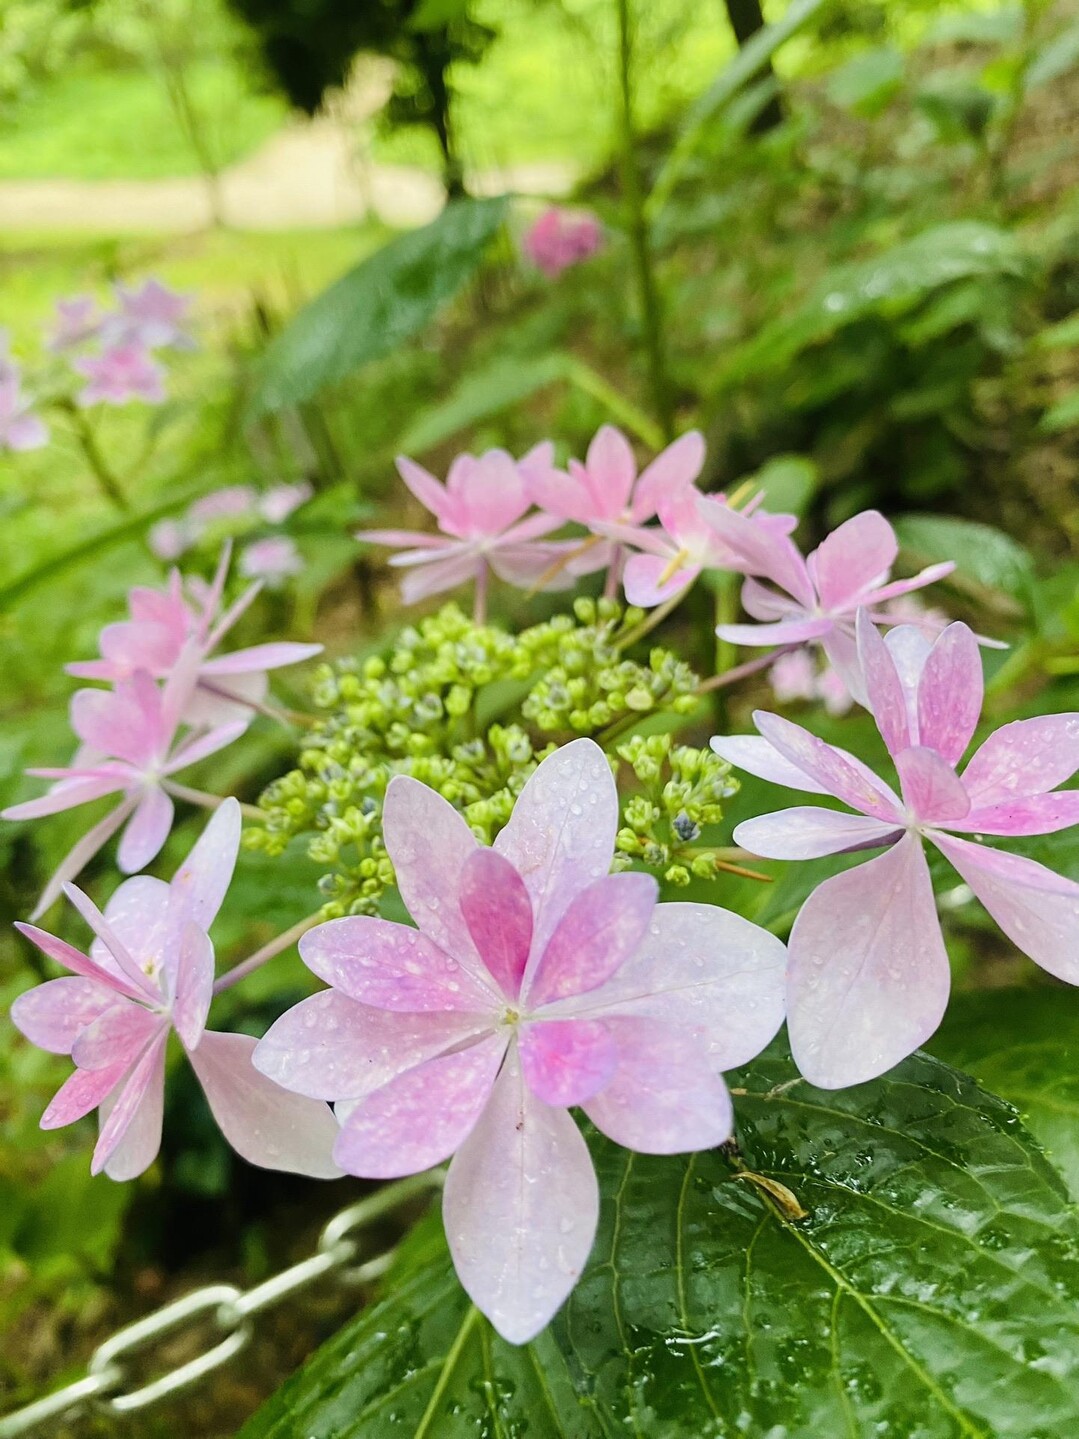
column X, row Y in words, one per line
column 20, row 428
column 272, row 558
column 113, row 350
column 172, row 702
column 561, row 238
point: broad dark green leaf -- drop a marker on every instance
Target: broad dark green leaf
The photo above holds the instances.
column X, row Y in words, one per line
column 382, row 303
column 931, row 1292
column 892, row 281
column 1023, row 1044
column 982, row 554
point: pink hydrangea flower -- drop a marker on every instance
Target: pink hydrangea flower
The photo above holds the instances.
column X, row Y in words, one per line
column 78, row 320
column 274, row 560
column 815, row 600
column 20, row 429
column 120, row 374
column 151, row 316
column 561, row 238
column 164, row 625
column 168, row 539
column 795, row 676
column 480, row 512
column 536, row 981
column 607, row 489
column 869, row 975
column 233, row 502
column 689, row 539
column 278, row 503
column 150, row 971
column 130, row 748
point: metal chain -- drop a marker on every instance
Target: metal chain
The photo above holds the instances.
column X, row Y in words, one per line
column 229, row 1310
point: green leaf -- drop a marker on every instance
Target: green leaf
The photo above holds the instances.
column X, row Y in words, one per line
column 932, row 1292
column 867, row 82
column 1024, row 1045
column 984, row 555
column 891, row 282
column 1064, row 415
column 378, row 306
column 747, row 64
column 789, row 482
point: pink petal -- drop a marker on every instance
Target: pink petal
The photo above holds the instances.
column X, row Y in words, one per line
column 194, row 984
column 330, row 1047
column 126, row 963
column 205, row 875
column 420, row 1118
column 1036, row 908
column 842, row 654
column 52, row 1014
column 664, row 1097
column 1038, row 814
column 560, row 836
column 264, row 1123
column 612, row 468
column 533, row 566
column 118, row 722
column 807, row 833
column 498, row 911
column 116, row 1036
column 138, row 1106
column 391, row 966
column 1023, row 758
column 80, row 1093
column 950, row 693
column 928, row 576
column 139, row 917
column 599, row 930
column 765, row 604
column 408, row 538
column 566, row 1061
column 139, row 645
column 852, row 559
column 679, row 464
column 931, row 788
column 146, row 831
column 425, row 487
column 556, row 493
column 869, row 975
column 80, row 854
column 783, row 632
column 703, row 969
column 67, row 796
column 826, row 764
column 648, row 579
column 428, row 843
column 192, row 750
column 492, row 493
column 441, row 575
column 761, row 550
column 753, row 754
column 260, row 657
column 532, row 527
column 141, row 1141
column 520, row 1208
column 77, row 962
column 885, row 691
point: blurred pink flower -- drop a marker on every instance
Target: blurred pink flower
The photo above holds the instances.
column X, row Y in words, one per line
column 479, row 511
column 120, row 374
column 689, row 540
column 816, row 599
column 150, row 316
column 20, row 429
column 150, row 971
column 168, row 539
column 77, row 321
column 561, row 238
column 164, row 627
column 536, row 981
column 607, row 489
column 274, row 560
column 230, row 502
column 795, row 676
column 129, row 747
column 869, row 975
column 276, row 504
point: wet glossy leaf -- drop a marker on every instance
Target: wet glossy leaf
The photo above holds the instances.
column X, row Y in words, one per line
column 1023, row 1044
column 932, row 1292
column 382, row 303
column 982, row 554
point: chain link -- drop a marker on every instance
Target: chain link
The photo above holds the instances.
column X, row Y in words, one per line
column 224, row 1308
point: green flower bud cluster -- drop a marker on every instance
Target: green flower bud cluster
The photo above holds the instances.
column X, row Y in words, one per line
column 469, row 710
column 681, row 793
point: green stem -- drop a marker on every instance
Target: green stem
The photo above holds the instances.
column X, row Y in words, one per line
column 639, row 236
column 110, row 485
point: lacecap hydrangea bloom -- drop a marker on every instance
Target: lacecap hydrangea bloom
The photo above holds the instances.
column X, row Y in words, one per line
column 150, row 971
column 534, row 981
column 869, row 976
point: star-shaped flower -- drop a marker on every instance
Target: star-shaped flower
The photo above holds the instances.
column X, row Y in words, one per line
column 869, row 977
column 535, row 981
